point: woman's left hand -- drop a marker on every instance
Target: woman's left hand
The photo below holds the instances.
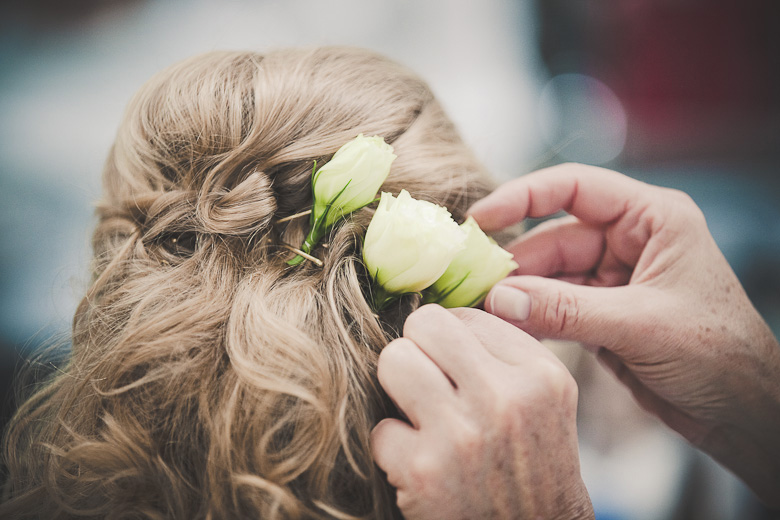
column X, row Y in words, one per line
column 492, row 412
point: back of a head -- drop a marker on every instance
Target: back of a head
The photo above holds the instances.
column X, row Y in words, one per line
column 209, row 379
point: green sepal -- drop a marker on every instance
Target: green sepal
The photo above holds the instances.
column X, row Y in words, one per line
column 317, row 228
column 430, row 296
column 381, row 298
column 315, row 235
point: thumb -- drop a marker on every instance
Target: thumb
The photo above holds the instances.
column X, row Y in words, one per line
column 548, row 308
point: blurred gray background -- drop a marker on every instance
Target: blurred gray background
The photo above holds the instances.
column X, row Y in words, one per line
column 683, row 94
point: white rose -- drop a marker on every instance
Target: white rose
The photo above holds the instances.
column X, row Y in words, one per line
column 409, row 244
column 473, row 271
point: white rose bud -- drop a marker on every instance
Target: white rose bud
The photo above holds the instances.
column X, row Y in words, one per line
column 473, row 272
column 409, row 245
column 351, row 178
column 345, row 184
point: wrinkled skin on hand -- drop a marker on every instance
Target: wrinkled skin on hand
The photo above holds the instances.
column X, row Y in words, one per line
column 634, row 274
column 492, row 413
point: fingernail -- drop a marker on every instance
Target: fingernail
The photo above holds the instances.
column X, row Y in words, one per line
column 474, row 206
column 479, row 206
column 509, row 303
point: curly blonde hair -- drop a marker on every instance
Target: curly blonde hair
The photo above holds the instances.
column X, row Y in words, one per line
column 207, row 378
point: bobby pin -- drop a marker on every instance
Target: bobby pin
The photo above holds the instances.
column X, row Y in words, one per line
column 293, row 217
column 307, row 256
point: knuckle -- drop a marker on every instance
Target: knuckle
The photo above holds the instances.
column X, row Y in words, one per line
column 679, row 197
column 571, row 392
column 561, row 313
column 399, row 348
column 422, row 319
column 581, row 169
column 405, row 500
column 574, row 165
column 467, row 439
column 541, row 388
column 685, row 206
column 423, row 472
column 485, row 374
column 507, row 411
column 378, row 435
column 556, row 381
column 507, row 404
column 397, row 353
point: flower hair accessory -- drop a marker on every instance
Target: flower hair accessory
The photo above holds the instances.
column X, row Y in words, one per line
column 346, row 183
column 479, row 266
column 411, row 246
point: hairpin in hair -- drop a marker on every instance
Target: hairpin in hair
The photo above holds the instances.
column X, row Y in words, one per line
column 313, row 259
column 293, row 217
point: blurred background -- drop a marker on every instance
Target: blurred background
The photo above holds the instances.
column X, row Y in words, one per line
column 681, row 93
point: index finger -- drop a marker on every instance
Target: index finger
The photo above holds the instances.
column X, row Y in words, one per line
column 594, row 195
column 448, row 342
column 502, row 339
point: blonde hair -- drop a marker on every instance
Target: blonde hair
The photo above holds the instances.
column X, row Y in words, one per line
column 208, row 379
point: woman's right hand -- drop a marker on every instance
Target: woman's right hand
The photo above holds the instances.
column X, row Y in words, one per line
column 492, row 422
column 634, row 274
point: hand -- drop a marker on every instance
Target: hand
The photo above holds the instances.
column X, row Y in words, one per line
column 634, row 273
column 493, row 432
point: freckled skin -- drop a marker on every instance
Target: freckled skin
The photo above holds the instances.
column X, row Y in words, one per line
column 493, row 422
column 633, row 274
column 644, row 284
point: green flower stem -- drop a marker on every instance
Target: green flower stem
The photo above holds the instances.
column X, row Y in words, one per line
column 295, row 261
column 316, row 233
column 431, row 295
column 382, row 298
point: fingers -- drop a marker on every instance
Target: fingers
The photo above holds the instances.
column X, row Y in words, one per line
column 569, row 249
column 503, row 340
column 448, row 342
column 555, row 309
column 414, row 382
column 595, row 195
column 390, row 440
column 561, row 246
column 514, row 426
